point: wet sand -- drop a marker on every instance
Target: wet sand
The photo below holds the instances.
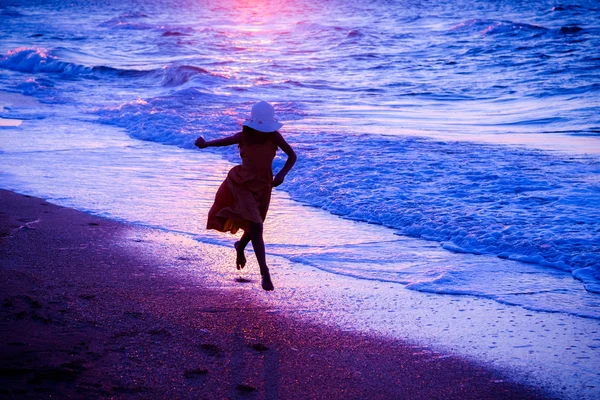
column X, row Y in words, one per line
column 85, row 316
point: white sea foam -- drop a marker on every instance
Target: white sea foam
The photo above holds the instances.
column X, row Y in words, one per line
column 517, row 204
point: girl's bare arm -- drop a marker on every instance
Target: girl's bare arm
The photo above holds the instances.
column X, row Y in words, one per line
column 226, row 141
column 287, row 149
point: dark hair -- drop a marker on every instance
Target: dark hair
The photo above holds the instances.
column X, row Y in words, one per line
column 252, row 136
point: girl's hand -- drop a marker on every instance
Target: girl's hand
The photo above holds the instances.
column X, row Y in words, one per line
column 278, row 180
column 201, row 143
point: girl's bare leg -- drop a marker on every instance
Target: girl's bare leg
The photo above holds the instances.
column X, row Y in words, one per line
column 240, row 246
column 258, row 244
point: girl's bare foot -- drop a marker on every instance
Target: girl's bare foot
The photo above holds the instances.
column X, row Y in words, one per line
column 240, row 261
column 266, row 281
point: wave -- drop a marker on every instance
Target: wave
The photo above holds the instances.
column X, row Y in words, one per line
column 478, row 199
column 36, row 60
column 123, row 21
column 571, row 29
column 33, row 86
column 497, row 27
column 174, row 33
column 533, row 121
column 132, row 21
column 11, row 13
column 593, row 132
column 495, row 204
column 354, row 33
column 569, row 8
column 177, row 75
column 315, row 27
column 511, row 28
column 129, row 25
column 157, row 120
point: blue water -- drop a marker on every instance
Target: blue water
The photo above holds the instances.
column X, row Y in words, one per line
column 391, row 105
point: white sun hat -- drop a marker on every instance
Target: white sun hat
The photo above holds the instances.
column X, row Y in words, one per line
column 262, row 118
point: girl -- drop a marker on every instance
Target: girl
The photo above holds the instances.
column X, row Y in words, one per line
column 242, row 200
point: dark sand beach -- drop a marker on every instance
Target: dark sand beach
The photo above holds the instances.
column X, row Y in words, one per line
column 86, row 317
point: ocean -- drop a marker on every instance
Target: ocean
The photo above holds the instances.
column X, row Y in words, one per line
column 446, row 147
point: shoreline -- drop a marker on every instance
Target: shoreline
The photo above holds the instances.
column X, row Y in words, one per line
column 84, row 313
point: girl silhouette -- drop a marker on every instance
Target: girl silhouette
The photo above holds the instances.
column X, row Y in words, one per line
column 242, row 200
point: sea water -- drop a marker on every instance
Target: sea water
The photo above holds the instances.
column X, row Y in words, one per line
column 460, row 138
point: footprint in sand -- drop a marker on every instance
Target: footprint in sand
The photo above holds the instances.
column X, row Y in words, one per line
column 245, row 389
column 159, row 332
column 194, row 374
column 259, row 347
column 210, row 350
